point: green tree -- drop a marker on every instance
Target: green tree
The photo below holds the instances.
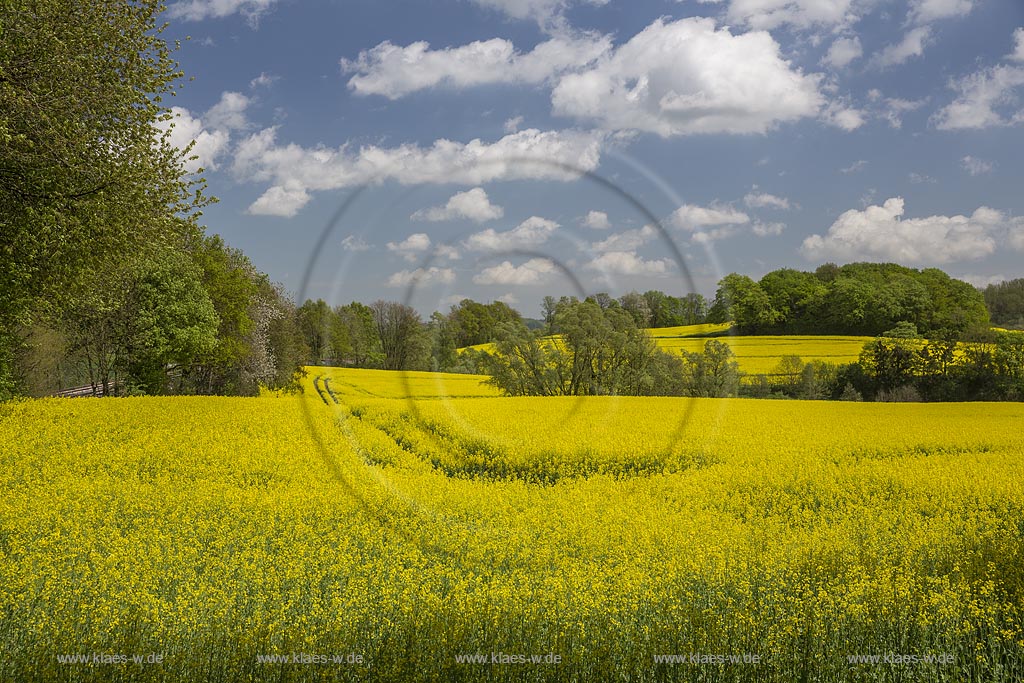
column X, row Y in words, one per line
column 403, row 338
column 789, row 370
column 171, row 320
column 795, row 296
column 957, row 306
column 890, row 363
column 667, row 372
column 476, row 323
column 85, row 168
column 604, row 300
column 601, row 351
column 903, row 330
column 443, row 343
column 364, row 348
column 525, row 364
column 827, row 272
column 586, row 333
column 817, row 379
column 317, row 322
column 233, row 285
column 149, row 317
column 693, row 309
column 284, row 344
column 1005, row 302
column 636, row 305
column 742, row 301
column 713, row 373
column 1008, row 359
column 548, row 308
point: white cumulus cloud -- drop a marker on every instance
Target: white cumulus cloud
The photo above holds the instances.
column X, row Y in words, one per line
column 767, row 229
column 229, row 112
column 264, row 80
column 355, row 243
column 532, row 272
column 626, row 241
column 982, row 281
column 527, row 154
column 1017, row 235
column 628, row 263
column 447, row 251
column 710, row 235
column 184, row 129
column 801, row 14
column 912, row 45
column 983, row 100
column 411, row 247
column 472, row 204
column 881, row 233
column 690, row 77
column 842, row 52
column 925, row 11
column 892, row 109
column 692, row 217
column 764, row 200
column 422, row 277
column 1018, row 46
column 547, row 13
column 512, row 124
column 197, row 10
column 597, row 220
column 280, row 200
column 393, row 71
column 976, row 166
column 842, row 116
column 529, row 234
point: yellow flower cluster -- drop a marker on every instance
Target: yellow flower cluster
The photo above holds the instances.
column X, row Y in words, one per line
column 423, row 518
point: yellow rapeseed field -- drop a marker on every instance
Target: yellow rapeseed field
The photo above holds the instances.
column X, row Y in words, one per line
column 756, row 354
column 404, row 523
column 762, row 354
column 701, row 330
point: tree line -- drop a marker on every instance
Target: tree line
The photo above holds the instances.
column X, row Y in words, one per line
column 595, row 346
column 1005, row 302
column 898, row 369
column 108, row 278
column 854, row 299
column 394, row 336
column 106, row 275
column 601, row 351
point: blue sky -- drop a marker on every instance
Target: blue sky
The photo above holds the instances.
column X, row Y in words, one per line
column 508, row 149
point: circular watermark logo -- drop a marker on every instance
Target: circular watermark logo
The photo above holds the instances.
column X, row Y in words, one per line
column 539, row 250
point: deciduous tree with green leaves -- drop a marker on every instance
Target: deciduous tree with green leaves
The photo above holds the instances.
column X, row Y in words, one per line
column 86, row 166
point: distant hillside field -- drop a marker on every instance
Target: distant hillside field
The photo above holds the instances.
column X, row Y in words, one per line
column 761, row 355
column 703, row 330
column 353, row 383
column 755, row 354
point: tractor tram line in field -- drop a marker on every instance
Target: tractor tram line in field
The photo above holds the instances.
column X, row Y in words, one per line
column 881, row 487
column 835, row 541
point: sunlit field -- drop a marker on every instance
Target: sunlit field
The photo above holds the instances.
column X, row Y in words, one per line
column 406, row 534
column 219, row 219
column 359, row 383
column 702, row 330
column 755, row 354
column 762, row 354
